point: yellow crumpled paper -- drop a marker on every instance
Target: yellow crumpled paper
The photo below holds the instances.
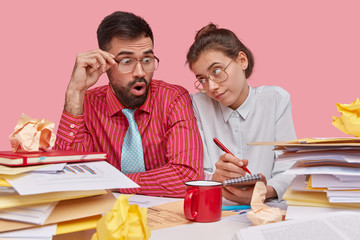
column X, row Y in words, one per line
column 32, row 135
column 261, row 213
column 122, row 222
column 349, row 120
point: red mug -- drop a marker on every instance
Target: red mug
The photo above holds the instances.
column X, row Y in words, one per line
column 203, row 201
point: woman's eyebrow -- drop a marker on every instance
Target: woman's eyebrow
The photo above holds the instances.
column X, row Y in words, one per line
column 208, row 68
column 211, row 65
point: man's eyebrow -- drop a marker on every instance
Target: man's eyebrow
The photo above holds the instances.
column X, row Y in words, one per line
column 149, row 51
column 124, row 53
column 132, row 53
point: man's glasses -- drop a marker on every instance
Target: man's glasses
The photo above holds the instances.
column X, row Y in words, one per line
column 216, row 74
column 128, row 64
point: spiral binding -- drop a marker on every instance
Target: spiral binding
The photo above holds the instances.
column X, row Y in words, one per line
column 244, row 179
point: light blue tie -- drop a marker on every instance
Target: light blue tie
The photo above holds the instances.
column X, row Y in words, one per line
column 132, row 157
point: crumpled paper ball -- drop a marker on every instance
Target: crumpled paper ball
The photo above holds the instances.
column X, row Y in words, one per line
column 349, row 120
column 122, row 222
column 31, row 135
column 261, row 213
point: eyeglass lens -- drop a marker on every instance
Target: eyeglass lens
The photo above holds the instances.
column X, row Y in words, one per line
column 149, row 64
column 216, row 75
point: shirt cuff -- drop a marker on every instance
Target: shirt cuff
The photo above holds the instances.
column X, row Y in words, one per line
column 208, row 175
column 71, row 127
column 136, row 178
column 280, row 185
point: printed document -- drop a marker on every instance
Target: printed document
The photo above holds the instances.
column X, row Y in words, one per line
column 80, row 176
column 328, row 226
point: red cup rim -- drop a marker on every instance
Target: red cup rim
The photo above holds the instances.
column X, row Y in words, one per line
column 203, row 183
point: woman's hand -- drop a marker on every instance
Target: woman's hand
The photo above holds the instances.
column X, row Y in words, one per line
column 242, row 193
column 229, row 166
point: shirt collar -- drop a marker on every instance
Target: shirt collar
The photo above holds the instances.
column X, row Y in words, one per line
column 115, row 106
column 243, row 110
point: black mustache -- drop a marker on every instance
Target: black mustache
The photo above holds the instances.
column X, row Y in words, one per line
column 137, row 80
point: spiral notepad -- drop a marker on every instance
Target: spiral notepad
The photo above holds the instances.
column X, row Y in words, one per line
column 245, row 179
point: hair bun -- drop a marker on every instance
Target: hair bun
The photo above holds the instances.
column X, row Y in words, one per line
column 205, row 30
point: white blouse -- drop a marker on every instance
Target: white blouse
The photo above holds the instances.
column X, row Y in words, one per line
column 264, row 116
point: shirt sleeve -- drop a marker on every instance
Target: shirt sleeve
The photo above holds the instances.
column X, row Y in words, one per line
column 184, row 150
column 285, row 130
column 72, row 134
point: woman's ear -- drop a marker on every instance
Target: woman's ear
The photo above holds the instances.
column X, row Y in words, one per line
column 242, row 59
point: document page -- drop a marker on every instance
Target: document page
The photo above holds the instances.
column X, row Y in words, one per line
column 329, row 226
column 41, row 233
column 36, row 214
column 74, row 177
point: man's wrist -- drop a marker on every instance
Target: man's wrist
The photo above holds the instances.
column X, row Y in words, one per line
column 74, row 102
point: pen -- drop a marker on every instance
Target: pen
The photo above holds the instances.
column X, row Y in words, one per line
column 235, row 207
column 222, row 147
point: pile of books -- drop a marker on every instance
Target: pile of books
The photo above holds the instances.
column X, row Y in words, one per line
column 59, row 198
column 327, row 175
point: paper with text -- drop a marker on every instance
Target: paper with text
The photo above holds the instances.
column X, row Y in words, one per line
column 338, row 225
column 36, row 214
column 79, row 176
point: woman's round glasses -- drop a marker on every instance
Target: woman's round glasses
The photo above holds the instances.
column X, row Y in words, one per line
column 216, row 74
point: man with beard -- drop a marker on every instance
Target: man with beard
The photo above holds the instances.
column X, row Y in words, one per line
column 97, row 119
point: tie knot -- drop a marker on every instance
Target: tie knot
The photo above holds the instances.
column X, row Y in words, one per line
column 129, row 113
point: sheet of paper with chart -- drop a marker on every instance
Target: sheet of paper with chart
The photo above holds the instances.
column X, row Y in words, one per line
column 79, row 176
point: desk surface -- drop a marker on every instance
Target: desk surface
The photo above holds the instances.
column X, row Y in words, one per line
column 222, row 229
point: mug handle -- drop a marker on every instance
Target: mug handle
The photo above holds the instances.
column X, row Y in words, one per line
column 188, row 206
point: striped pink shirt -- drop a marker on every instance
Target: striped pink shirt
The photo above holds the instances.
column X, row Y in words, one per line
column 172, row 146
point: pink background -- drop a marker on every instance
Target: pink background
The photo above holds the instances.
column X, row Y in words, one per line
column 310, row 48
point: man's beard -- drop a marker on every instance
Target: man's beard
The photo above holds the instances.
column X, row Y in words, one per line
column 125, row 96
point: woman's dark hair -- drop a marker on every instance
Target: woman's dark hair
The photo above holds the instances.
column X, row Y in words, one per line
column 122, row 25
column 220, row 39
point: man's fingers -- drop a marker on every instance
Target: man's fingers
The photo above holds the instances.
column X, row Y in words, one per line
column 96, row 60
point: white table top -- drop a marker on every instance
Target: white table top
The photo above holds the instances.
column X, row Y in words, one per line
column 222, row 229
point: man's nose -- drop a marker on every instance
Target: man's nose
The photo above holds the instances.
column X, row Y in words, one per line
column 139, row 70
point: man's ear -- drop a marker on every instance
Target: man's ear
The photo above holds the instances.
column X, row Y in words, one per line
column 242, row 59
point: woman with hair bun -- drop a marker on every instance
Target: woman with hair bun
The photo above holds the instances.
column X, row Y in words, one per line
column 228, row 108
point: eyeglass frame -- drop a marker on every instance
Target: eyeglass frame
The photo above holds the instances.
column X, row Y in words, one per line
column 139, row 61
column 209, row 78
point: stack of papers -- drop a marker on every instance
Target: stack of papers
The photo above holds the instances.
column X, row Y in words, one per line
column 37, row 213
column 62, row 194
column 327, row 174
